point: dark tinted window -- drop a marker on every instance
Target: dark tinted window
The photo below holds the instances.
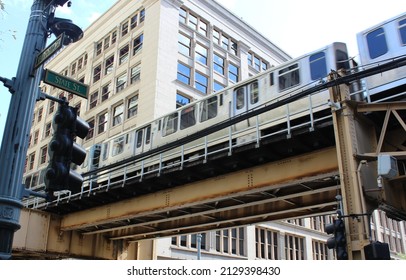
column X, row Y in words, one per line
column 402, row 31
column 377, row 45
column 318, row 67
column 342, row 60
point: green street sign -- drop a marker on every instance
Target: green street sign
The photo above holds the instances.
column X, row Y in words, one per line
column 49, row 51
column 65, row 83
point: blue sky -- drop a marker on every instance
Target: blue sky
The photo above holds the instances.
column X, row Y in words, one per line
column 296, row 26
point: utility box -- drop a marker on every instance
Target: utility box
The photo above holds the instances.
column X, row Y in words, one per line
column 377, row 251
column 387, row 166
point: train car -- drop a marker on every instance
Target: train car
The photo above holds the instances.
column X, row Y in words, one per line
column 272, row 85
column 379, row 44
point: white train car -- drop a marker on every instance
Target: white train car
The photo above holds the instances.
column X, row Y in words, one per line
column 378, row 44
column 270, row 86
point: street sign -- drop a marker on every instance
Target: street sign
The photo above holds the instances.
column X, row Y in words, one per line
column 65, row 83
column 49, row 51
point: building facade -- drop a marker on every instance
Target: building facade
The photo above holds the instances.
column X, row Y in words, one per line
column 143, row 59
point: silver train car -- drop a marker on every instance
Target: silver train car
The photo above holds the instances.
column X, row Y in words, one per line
column 269, row 86
column 378, row 44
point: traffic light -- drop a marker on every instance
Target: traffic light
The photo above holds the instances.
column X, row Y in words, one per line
column 63, row 151
column 338, row 241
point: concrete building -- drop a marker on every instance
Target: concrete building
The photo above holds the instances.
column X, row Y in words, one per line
column 142, row 59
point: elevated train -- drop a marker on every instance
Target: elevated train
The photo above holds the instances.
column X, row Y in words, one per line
column 376, row 44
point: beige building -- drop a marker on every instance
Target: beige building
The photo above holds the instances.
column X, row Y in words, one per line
column 143, row 59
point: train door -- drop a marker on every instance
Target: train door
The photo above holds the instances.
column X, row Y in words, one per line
column 245, row 99
column 143, row 139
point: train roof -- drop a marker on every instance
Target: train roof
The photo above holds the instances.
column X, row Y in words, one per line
column 381, row 24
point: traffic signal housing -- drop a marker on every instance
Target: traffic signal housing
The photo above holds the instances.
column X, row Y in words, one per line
column 339, row 240
column 64, row 151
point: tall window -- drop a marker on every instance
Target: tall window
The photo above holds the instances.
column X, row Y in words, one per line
column 132, row 106
column 402, row 31
column 118, row 114
column 90, row 134
column 318, row 66
column 320, row 250
column 137, row 44
column 121, row 82
column 218, row 64
column 102, row 123
column 106, row 92
column 289, row 77
column 184, row 44
column 135, row 73
column 31, row 161
column 201, row 82
column 376, row 41
column 184, row 73
column 201, row 54
column 97, row 73
column 124, row 54
column 44, row 151
column 233, row 73
column 108, row 65
column 93, row 99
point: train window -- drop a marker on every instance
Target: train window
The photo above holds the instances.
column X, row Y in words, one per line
column 170, row 124
column 342, row 60
column 376, row 41
column 271, row 79
column 318, row 67
column 118, row 146
column 139, row 138
column 402, row 31
column 289, row 77
column 148, row 135
column 254, row 92
column 240, row 98
column 105, row 150
column 208, row 109
column 187, row 117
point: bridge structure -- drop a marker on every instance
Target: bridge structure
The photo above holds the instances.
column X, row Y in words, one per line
column 296, row 169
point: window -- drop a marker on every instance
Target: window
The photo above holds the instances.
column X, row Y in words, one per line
column 318, row 67
column 203, row 28
column 108, row 65
column 124, row 54
column 201, row 83
column 124, row 29
column 91, row 129
column 170, row 124
column 106, row 92
column 73, row 69
column 99, row 48
column 31, row 160
column 102, row 123
column 118, row 114
column 96, row 73
column 266, row 244
column 231, row 241
column 187, row 117
column 240, row 98
column 233, row 73
column 201, row 54
column 208, row 109
column 51, row 107
column 257, row 63
column 182, row 15
column 402, row 31
column 320, row 250
column 93, row 99
column 289, row 77
column 183, row 73
column 44, row 151
column 142, row 15
column 218, row 64
column 132, row 106
column 36, row 135
column 134, row 21
column 135, row 73
column 118, row 146
column 192, row 21
column 225, row 41
column 106, row 42
column 137, row 44
column 184, row 44
column 121, row 82
column 40, row 111
column 234, row 47
column 254, row 92
column 377, row 45
column 216, row 37
column 181, row 100
column 294, row 247
column 217, row 86
column 47, row 130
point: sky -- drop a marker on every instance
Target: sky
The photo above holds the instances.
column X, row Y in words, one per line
column 295, row 26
